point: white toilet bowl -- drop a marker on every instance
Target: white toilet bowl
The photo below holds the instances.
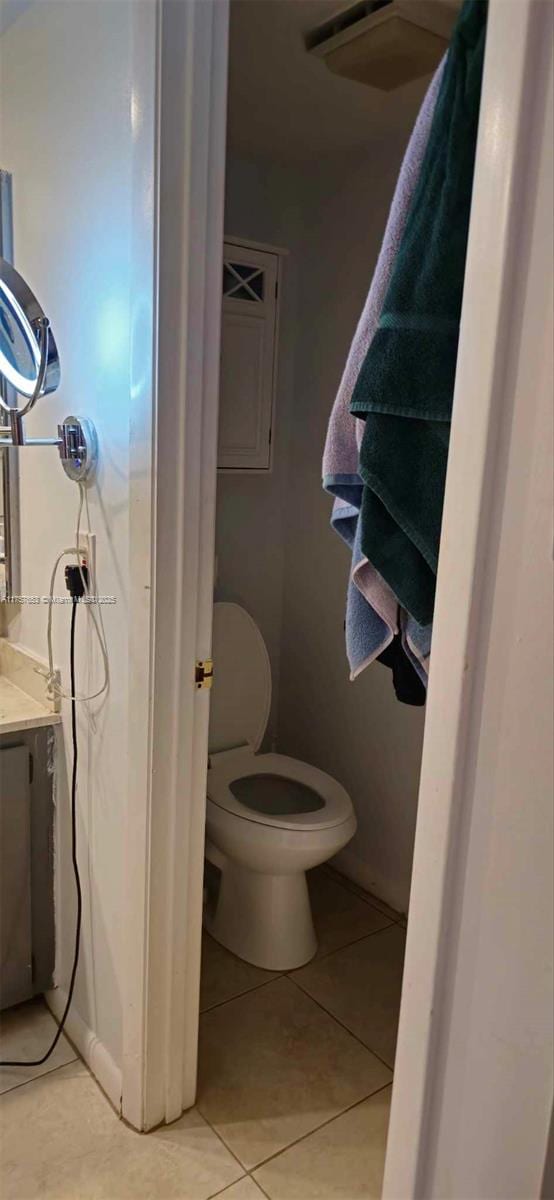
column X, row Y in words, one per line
column 269, row 818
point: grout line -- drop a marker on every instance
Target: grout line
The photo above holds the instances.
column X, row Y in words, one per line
column 236, row 996
column 342, row 1024
column 223, row 1191
column 289, row 975
column 250, row 1170
column 373, row 901
column 34, row 1078
column 354, row 889
column 329, row 1121
column 243, row 1167
column 257, row 1182
column 390, row 922
column 328, row 953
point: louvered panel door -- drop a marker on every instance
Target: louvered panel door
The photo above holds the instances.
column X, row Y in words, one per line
column 248, row 345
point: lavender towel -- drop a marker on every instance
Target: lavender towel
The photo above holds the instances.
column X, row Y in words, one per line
column 372, row 622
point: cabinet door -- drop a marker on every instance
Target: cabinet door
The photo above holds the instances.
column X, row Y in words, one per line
column 16, row 977
column 247, row 358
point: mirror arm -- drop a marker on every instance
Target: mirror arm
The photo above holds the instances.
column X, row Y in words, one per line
column 76, row 442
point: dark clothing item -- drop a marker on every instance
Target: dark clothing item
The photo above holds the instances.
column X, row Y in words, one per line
column 407, row 684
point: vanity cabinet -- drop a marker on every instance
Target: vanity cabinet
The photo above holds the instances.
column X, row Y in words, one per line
column 26, row 864
column 248, row 371
column 16, row 973
column 27, row 756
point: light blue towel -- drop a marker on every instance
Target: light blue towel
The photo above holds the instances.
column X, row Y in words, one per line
column 369, row 632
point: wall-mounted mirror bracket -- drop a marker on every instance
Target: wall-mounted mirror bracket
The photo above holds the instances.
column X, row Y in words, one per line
column 76, row 442
column 78, row 447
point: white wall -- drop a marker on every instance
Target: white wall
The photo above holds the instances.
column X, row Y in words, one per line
column 67, row 139
column 263, row 202
column 358, row 731
column 276, row 552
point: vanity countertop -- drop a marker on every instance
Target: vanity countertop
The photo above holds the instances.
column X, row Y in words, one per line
column 18, row 710
column 25, row 702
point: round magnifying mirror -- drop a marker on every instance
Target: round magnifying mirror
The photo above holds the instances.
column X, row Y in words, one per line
column 21, row 317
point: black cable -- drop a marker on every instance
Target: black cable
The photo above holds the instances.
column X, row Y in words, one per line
column 37, row 1062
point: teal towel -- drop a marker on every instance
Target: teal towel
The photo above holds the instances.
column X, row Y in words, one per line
column 406, row 384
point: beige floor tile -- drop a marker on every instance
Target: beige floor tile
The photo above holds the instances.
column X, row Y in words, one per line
column 61, row 1140
column 26, row 1033
column 342, row 1161
column 273, row 1067
column 224, row 975
column 367, row 896
column 361, row 986
column 340, row 917
column 245, row 1189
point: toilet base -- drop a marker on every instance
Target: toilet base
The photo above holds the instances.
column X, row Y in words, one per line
column 264, row 919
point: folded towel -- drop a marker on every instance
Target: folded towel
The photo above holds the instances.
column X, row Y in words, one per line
column 372, row 615
column 371, row 625
column 410, row 365
column 340, row 457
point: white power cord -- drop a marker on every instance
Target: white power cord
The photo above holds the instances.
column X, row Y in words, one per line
column 54, row 688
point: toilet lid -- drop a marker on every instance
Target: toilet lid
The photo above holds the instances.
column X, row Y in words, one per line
column 241, row 691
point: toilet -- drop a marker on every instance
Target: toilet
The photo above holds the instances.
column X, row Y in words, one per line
column 269, row 818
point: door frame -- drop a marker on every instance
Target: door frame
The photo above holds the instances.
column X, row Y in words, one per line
column 172, row 538
column 510, row 133
column 161, row 1049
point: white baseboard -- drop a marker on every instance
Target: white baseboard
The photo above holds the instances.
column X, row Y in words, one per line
column 89, row 1046
column 359, row 871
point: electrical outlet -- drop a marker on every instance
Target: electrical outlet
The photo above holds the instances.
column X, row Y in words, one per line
column 87, row 547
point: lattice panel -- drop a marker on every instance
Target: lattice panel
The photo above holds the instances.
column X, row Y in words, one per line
column 242, row 281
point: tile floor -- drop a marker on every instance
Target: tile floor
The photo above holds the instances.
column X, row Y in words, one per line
column 294, row 1081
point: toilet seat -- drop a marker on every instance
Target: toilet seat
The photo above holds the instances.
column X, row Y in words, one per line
column 227, row 768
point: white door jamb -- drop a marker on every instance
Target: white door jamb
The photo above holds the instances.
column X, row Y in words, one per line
column 488, row 323
column 167, row 852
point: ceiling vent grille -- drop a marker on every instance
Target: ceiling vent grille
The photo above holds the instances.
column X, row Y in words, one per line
column 342, row 21
column 385, row 43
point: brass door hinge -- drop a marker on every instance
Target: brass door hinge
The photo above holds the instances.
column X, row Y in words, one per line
column 204, row 673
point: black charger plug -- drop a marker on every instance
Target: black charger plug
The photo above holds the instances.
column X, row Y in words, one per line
column 76, row 580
